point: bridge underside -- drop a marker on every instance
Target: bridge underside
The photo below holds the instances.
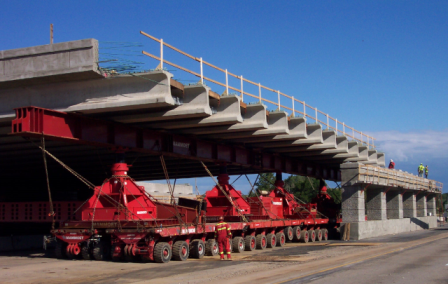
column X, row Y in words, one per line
column 196, row 123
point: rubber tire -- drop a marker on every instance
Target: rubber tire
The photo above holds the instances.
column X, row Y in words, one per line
column 259, row 241
column 178, row 247
column 281, row 239
column 101, row 251
column 211, row 248
column 271, row 241
column 250, row 243
column 238, row 244
column 61, row 250
column 297, row 234
column 312, row 235
column 289, row 234
column 197, row 249
column 304, row 236
column 319, row 235
column 158, row 252
column 325, row 235
column 85, row 252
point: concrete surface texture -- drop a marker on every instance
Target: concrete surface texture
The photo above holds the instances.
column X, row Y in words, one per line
column 162, row 193
column 74, row 60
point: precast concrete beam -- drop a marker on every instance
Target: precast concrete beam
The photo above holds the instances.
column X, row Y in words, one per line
column 363, row 155
column 328, row 142
column 341, row 148
column 120, row 93
column 372, row 157
column 381, row 159
column 195, row 103
column 227, row 112
column 297, row 130
column 254, row 118
column 409, row 205
column 394, row 204
column 65, row 61
column 277, row 124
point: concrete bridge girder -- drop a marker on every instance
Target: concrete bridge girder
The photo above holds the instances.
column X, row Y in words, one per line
column 195, row 103
column 227, row 112
column 92, row 96
column 254, row 118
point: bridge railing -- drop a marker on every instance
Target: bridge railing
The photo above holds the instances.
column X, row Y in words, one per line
column 306, row 110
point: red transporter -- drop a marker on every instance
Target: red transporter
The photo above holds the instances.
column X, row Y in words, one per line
column 227, row 202
column 222, row 235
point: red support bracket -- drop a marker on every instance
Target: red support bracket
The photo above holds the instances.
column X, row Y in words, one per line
column 387, row 189
column 405, row 190
column 365, row 188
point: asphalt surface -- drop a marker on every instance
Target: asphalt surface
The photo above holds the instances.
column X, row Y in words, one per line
column 427, row 263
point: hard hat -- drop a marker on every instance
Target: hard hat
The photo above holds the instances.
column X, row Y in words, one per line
column 391, row 160
column 221, row 218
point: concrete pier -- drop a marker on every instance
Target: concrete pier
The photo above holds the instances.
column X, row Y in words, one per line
column 395, row 201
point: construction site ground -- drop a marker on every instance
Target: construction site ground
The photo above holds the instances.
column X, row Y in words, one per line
column 415, row 257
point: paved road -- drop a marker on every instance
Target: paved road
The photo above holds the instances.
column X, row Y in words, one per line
column 427, row 263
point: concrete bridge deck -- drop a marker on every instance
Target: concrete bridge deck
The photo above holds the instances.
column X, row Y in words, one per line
column 65, row 77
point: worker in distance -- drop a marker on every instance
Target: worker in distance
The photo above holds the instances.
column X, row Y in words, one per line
column 223, row 236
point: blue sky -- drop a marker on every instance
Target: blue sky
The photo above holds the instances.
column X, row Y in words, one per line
column 379, row 66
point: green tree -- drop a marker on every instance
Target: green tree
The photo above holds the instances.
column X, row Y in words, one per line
column 265, row 182
column 303, row 188
column 336, row 194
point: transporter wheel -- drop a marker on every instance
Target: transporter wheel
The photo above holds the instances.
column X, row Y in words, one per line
column 312, row 235
column 211, row 248
column 162, row 252
column 238, row 244
column 289, row 234
column 60, row 250
column 281, row 239
column 180, row 250
column 304, row 236
column 261, row 241
column 249, row 243
column 325, row 234
column 271, row 240
column 296, row 233
column 85, row 252
column 319, row 235
column 197, row 249
column 101, row 250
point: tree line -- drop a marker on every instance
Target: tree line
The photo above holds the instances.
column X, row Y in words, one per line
column 304, row 188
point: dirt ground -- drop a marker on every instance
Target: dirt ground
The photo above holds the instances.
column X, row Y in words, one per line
column 267, row 266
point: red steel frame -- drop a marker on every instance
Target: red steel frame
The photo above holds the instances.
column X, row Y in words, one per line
column 55, row 125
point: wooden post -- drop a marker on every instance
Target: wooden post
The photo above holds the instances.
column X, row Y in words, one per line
column 51, row 33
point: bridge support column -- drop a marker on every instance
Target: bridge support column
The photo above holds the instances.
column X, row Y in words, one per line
column 394, row 204
column 421, row 205
column 376, row 204
column 431, row 205
column 353, row 205
column 409, row 205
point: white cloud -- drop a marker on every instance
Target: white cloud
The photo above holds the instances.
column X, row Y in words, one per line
column 413, row 145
